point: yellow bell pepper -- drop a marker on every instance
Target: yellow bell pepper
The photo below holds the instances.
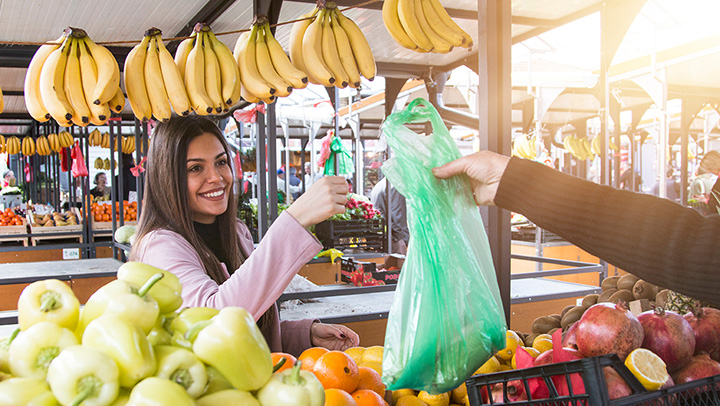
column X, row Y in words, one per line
column 31, row 351
column 122, row 398
column 215, row 381
column 158, row 335
column 233, row 344
column 182, row 367
column 83, row 375
column 167, row 292
column 292, row 387
column 26, row 392
column 125, row 343
column 4, row 348
column 48, row 300
column 228, row 397
column 156, row 391
column 125, row 300
column 186, row 319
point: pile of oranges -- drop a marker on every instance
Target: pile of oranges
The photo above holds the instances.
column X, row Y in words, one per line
column 103, row 212
column 9, row 218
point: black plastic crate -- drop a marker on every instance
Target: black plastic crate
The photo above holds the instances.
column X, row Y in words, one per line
column 702, row 392
column 364, row 234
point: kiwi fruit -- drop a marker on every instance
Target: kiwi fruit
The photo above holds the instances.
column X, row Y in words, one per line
column 605, row 295
column 627, row 282
column 609, row 282
column 543, row 324
column 644, row 290
column 529, row 339
column 622, row 294
column 565, row 310
column 557, row 316
column 661, row 298
column 590, row 300
column 553, row 330
column 572, row 316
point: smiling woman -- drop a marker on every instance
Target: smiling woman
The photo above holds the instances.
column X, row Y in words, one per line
column 188, row 226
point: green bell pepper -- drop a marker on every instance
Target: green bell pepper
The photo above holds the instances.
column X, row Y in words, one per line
column 158, row 335
column 233, row 343
column 182, row 367
column 292, row 387
column 125, row 300
column 228, row 397
column 156, row 391
column 31, row 351
column 49, row 300
column 26, row 392
column 186, row 319
column 4, row 351
column 168, row 292
column 83, row 375
column 215, row 381
column 125, row 343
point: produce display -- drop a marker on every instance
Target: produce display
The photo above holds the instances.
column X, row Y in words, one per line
column 9, row 218
column 54, row 219
column 423, row 26
column 525, row 147
column 331, row 49
column 103, row 212
column 74, row 81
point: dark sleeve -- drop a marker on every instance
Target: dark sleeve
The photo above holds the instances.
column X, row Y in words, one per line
column 713, row 203
column 655, row 239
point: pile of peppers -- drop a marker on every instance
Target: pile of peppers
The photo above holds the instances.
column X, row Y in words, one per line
column 131, row 344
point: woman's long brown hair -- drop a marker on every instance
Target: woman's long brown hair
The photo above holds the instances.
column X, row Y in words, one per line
column 165, row 199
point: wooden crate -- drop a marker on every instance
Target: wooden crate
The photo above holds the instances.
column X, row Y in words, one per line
column 10, row 233
column 41, row 233
column 107, row 225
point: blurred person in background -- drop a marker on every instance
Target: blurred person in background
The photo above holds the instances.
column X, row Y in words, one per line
column 100, row 190
column 8, row 178
column 707, row 175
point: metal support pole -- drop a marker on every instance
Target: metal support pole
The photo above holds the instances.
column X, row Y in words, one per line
column 271, row 128
column 262, row 177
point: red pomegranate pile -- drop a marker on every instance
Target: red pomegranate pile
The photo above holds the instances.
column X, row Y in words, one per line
column 607, row 328
column 705, row 322
column 669, row 336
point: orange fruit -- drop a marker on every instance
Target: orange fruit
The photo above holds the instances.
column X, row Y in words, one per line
column 289, row 360
column 335, row 369
column 337, row 397
column 442, row 399
column 370, row 379
column 309, row 356
column 367, row 397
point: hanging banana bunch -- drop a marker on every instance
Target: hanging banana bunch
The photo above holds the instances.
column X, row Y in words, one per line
column 98, row 164
column 95, row 138
column 581, row 149
column 106, row 164
column 128, row 145
column 524, row 147
column 3, row 144
column 331, row 49
column 423, row 26
column 28, row 146
column 105, row 140
column 42, row 146
column 73, row 80
column 65, row 139
column 13, row 145
column 153, row 81
column 54, row 142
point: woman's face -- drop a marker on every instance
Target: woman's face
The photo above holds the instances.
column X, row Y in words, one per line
column 101, row 180
column 209, row 178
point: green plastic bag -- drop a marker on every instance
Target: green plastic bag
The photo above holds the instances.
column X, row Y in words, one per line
column 446, row 319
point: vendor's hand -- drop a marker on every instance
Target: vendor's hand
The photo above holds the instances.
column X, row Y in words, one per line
column 333, row 336
column 325, row 198
column 484, row 168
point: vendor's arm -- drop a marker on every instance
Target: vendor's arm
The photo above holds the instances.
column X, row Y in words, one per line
column 655, row 239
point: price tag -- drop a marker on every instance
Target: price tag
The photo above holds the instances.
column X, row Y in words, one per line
column 71, row 253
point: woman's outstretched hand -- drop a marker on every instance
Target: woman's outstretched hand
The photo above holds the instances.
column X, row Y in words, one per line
column 333, row 336
column 325, row 198
column 484, row 168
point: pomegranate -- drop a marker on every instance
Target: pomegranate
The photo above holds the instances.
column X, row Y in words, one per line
column 515, row 392
column 668, row 335
column 616, row 386
column 705, row 321
column 607, row 328
column 548, row 358
column 569, row 339
column 700, row 366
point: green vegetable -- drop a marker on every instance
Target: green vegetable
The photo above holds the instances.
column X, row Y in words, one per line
column 156, row 391
column 182, row 367
column 228, row 397
column 49, row 300
column 26, row 392
column 292, row 387
column 83, row 375
column 31, row 352
column 123, row 234
column 167, row 292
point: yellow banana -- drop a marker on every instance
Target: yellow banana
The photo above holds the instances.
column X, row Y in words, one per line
column 99, row 113
column 265, row 66
column 98, row 164
column 43, row 148
column 195, row 79
column 73, row 86
column 52, row 75
column 595, row 145
column 330, row 52
column 182, row 52
column 154, row 83
column 229, row 71
column 455, row 38
column 105, row 140
column 439, row 44
column 393, row 25
column 66, row 140
column 448, row 21
column 134, row 73
column 108, row 73
column 296, row 40
column 245, row 56
column 117, row 103
column 3, row 144
column 28, row 146
column 213, row 76
column 361, row 49
column 247, row 96
column 317, row 70
column 173, row 80
column 345, row 52
column 297, row 78
column 93, row 137
column 411, row 25
column 588, row 148
column 12, row 145
column 33, row 98
column 54, row 142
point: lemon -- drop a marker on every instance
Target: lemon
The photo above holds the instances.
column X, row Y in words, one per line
column 466, row 401
column 504, row 367
column 458, row 394
column 410, row 401
column 372, row 365
column 355, row 353
column 490, row 366
column 648, row 368
column 397, row 394
column 442, row 399
column 542, row 343
column 512, row 341
column 530, row 350
column 373, row 354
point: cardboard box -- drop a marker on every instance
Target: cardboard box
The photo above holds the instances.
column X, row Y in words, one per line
column 361, row 273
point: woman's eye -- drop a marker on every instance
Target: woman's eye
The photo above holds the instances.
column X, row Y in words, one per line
column 194, row 168
column 222, row 162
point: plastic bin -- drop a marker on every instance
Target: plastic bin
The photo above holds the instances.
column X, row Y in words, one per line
column 364, row 234
column 702, row 392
